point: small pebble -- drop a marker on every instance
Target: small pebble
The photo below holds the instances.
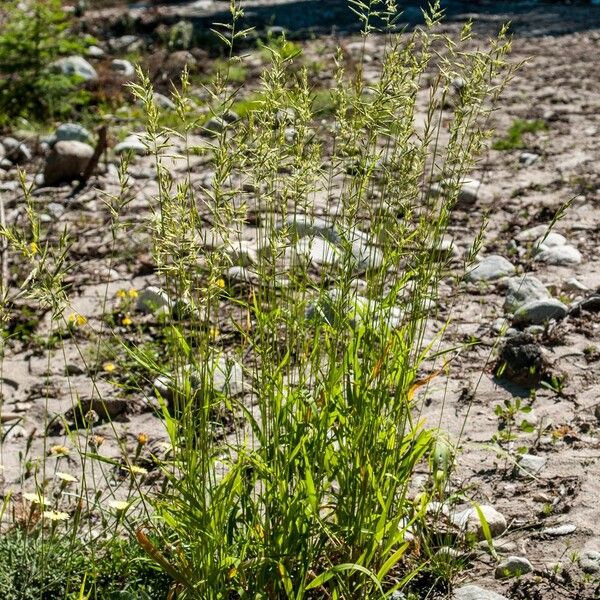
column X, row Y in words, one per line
column 559, row 530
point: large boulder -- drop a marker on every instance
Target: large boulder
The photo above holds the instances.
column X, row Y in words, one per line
column 67, row 161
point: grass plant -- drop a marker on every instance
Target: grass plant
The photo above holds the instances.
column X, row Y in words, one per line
column 294, row 440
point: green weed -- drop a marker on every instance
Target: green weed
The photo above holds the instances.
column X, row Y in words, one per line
column 514, row 137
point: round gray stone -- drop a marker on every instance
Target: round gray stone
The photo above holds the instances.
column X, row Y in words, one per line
column 539, row 312
column 589, row 561
column 15, row 150
column 551, row 240
column 474, row 592
column 531, row 234
column 490, row 268
column 559, row 255
column 76, row 66
column 528, row 158
column 66, row 162
column 530, row 464
column 72, row 132
column 469, row 520
column 132, row 143
column 123, row 67
column 522, row 290
column 513, row 566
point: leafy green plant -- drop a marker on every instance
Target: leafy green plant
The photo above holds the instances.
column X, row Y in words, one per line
column 514, row 137
column 509, row 420
column 279, row 45
column 32, row 36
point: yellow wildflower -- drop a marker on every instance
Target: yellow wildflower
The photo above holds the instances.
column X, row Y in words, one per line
column 133, row 293
column 109, row 367
column 126, row 321
column 77, row 319
column 59, row 450
column 135, row 470
column 221, row 283
column 121, row 294
column 142, row 439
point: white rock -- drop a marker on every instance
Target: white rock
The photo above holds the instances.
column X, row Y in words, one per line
column 589, row 561
column 559, row 255
column 528, row 158
column 531, row 234
column 559, row 530
column 489, row 268
column 574, row 285
column 132, row 143
column 123, row 68
column 530, row 464
column 95, row 52
column 153, row 299
column 474, row 592
column 551, row 240
column 76, row 66
column 163, row 101
column 468, row 520
column 468, row 192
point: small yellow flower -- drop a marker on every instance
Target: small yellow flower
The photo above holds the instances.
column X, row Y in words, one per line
column 232, row 573
column 36, row 499
column 126, row 321
column 33, row 248
column 221, row 283
column 109, row 367
column 66, row 477
column 59, row 450
column 121, row 294
column 77, row 319
column 96, row 441
column 55, row 515
column 142, row 439
column 135, row 470
column 133, row 293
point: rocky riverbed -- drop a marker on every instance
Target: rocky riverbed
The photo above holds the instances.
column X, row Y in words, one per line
column 533, row 298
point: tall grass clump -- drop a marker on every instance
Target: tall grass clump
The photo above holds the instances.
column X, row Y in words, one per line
column 312, row 493
column 303, row 274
